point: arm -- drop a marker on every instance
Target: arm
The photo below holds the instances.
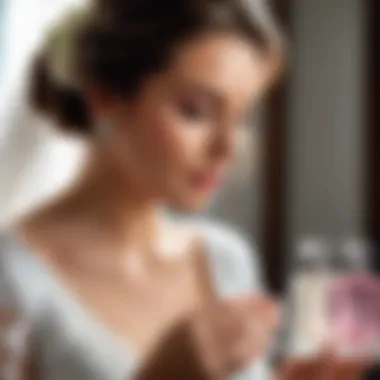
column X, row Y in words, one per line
column 212, row 355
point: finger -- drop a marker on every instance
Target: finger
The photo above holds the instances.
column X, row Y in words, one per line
column 240, row 342
column 252, row 300
column 263, row 322
column 347, row 369
column 325, row 370
column 221, row 335
column 334, row 367
column 232, row 320
column 261, row 308
column 301, row 369
column 240, row 330
column 253, row 342
column 240, row 355
column 224, row 318
column 257, row 304
column 229, row 326
column 269, row 310
column 261, row 343
column 229, row 357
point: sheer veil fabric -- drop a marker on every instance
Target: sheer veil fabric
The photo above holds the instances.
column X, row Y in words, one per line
column 35, row 161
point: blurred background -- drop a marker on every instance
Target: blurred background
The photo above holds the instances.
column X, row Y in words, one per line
column 310, row 167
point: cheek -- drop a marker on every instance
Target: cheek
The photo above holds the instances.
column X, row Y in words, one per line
column 169, row 139
column 160, row 144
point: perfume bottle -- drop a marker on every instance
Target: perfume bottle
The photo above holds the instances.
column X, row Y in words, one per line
column 308, row 288
column 354, row 302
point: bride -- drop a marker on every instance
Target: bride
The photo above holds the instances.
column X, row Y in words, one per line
column 99, row 283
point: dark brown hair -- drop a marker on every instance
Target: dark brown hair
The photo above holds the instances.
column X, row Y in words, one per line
column 124, row 41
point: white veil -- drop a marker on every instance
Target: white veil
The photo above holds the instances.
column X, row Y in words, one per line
column 34, row 160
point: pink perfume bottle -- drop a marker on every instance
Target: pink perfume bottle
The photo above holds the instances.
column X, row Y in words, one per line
column 353, row 306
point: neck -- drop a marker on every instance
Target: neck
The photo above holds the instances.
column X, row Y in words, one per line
column 105, row 208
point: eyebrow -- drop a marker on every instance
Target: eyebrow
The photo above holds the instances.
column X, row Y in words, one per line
column 213, row 94
column 216, row 96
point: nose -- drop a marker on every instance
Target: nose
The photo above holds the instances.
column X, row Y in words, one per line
column 223, row 144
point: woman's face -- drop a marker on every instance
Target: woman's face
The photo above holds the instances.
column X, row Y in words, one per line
column 175, row 140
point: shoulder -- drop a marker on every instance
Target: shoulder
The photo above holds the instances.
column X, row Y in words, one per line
column 233, row 259
column 17, row 321
column 21, row 284
column 9, row 281
column 232, row 249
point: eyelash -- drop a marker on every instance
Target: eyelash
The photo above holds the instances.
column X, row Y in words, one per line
column 198, row 112
column 193, row 111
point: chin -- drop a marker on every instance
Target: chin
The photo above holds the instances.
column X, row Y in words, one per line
column 191, row 206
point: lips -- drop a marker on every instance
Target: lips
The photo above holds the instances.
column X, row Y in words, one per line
column 206, row 181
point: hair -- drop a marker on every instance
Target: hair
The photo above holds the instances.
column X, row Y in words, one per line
column 122, row 42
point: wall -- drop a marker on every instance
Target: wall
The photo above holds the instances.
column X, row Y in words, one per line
column 325, row 194
column 238, row 203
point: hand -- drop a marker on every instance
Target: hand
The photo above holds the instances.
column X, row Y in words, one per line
column 215, row 342
column 15, row 354
column 324, row 368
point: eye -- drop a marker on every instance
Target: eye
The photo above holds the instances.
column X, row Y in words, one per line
column 194, row 111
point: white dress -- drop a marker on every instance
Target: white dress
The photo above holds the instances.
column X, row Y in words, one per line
column 70, row 344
